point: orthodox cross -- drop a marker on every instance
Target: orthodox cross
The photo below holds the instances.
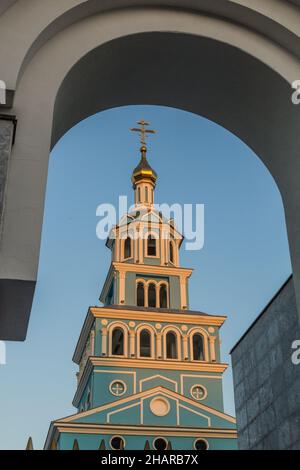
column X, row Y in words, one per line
column 143, row 131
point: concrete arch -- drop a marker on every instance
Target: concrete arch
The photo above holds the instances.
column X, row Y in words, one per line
column 233, row 66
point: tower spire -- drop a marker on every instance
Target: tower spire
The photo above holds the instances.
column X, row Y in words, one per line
column 143, row 176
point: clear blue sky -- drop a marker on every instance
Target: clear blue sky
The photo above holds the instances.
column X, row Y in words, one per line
column 244, row 261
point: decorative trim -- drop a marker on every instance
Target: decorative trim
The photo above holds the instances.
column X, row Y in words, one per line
column 121, row 409
column 160, row 317
column 153, row 269
column 158, row 376
column 108, row 429
column 204, row 389
column 196, row 413
column 155, row 410
column 146, row 394
column 158, row 364
column 201, row 376
column 112, row 384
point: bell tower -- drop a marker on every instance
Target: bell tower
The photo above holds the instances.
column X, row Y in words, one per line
column 150, row 369
column 145, row 269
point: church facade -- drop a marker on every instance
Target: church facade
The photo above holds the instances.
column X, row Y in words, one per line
column 150, row 372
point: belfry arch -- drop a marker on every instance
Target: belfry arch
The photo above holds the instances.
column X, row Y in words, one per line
column 231, row 62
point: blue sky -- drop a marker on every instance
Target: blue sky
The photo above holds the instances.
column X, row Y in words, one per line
column 244, row 261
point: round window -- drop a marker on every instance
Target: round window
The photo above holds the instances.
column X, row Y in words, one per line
column 198, row 392
column 201, row 444
column 117, row 388
column 117, row 443
column 160, row 443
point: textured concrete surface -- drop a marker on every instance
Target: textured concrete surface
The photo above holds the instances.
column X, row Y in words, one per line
column 266, row 382
column 188, row 52
column 6, row 135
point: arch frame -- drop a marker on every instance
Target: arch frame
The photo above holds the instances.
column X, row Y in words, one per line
column 35, row 100
column 205, row 337
column 174, row 329
column 145, row 238
column 110, row 329
column 139, row 328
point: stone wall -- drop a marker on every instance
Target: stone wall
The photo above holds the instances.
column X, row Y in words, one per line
column 266, row 382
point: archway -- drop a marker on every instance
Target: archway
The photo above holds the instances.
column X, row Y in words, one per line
column 227, row 73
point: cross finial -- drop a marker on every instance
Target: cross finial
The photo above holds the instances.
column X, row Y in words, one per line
column 143, row 131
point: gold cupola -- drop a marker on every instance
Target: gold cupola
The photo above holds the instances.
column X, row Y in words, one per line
column 143, row 170
column 143, row 176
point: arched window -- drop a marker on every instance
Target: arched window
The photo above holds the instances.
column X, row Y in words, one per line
column 117, row 443
column 139, row 195
column 145, row 343
column 151, row 246
column 127, row 248
column 198, row 348
column 171, row 345
column 152, row 295
column 163, row 296
column 146, row 194
column 117, row 347
column 160, row 443
column 201, row 444
column 171, row 252
column 140, row 295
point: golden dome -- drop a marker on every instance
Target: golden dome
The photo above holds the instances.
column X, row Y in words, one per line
column 143, row 170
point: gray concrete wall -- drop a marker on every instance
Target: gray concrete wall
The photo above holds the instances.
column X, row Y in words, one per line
column 266, row 382
column 6, row 136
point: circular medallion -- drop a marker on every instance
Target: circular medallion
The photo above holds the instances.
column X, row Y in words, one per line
column 159, row 406
column 198, row 392
column 117, row 388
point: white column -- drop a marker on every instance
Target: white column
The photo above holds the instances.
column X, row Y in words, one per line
column 183, row 292
column 122, row 287
column 185, row 347
column 158, row 345
column 117, row 244
column 141, row 246
column 212, row 348
column 132, row 343
column 162, row 251
column 92, row 342
column 104, row 341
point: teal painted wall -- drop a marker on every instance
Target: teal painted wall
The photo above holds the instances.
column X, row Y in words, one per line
column 92, row 442
column 101, row 378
